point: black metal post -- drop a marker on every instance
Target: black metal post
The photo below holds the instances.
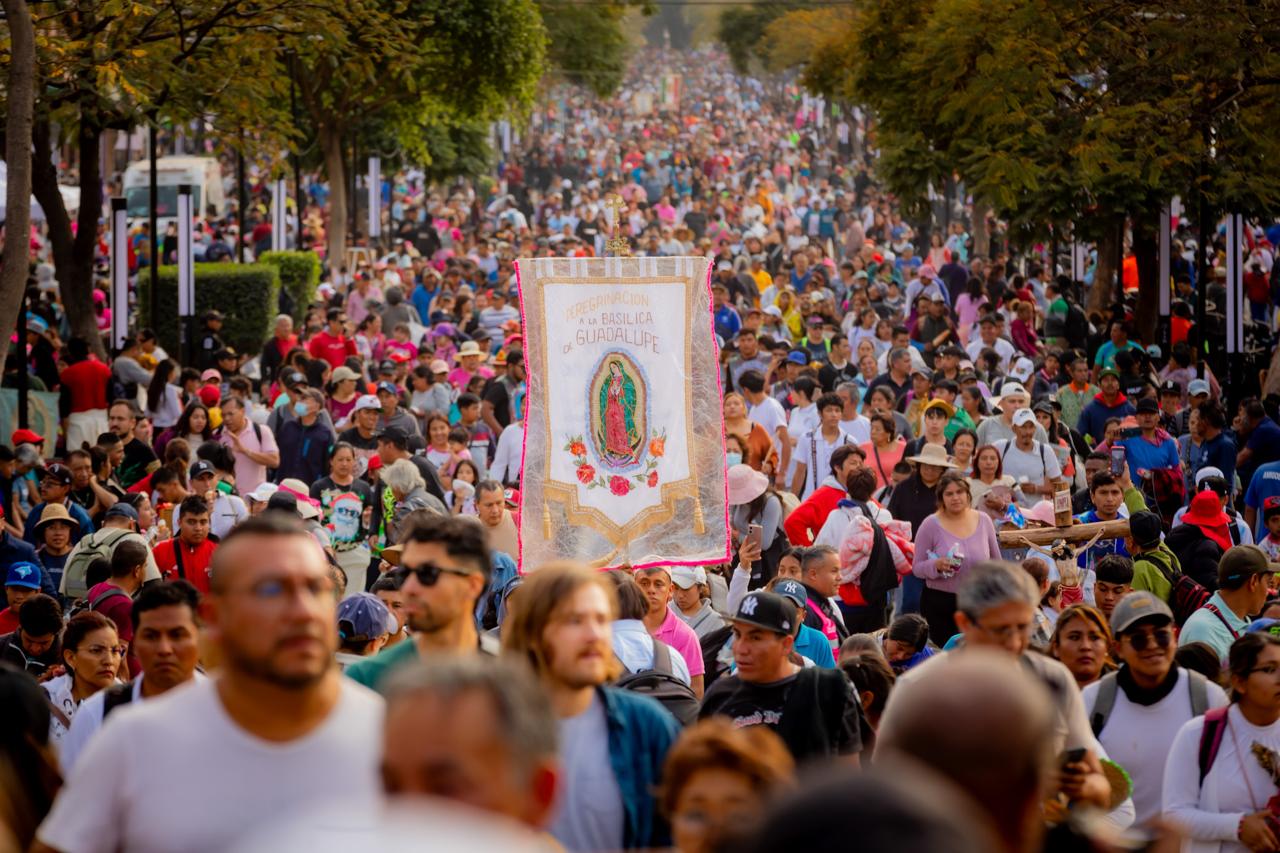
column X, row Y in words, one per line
column 153, row 202
column 242, row 202
column 24, row 384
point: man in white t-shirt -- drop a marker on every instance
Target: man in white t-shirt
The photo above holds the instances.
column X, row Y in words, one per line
column 768, row 412
column 1032, row 463
column 989, row 336
column 277, row 730
column 814, row 449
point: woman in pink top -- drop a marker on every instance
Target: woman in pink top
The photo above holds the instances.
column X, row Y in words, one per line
column 884, row 450
column 969, row 307
column 948, row 543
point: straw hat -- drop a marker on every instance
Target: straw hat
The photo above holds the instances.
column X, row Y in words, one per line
column 745, row 484
column 52, row 513
column 468, row 348
column 932, row 454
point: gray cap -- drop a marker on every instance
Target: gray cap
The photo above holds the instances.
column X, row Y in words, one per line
column 1137, row 607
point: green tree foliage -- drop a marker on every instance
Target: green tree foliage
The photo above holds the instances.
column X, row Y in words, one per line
column 1088, row 111
column 586, row 44
column 406, row 69
column 299, row 276
column 742, row 31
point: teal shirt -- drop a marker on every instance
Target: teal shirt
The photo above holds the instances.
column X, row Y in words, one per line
column 373, row 672
column 1204, row 626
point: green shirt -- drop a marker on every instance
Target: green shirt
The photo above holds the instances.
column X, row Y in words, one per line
column 1147, row 572
column 960, row 420
column 372, row 672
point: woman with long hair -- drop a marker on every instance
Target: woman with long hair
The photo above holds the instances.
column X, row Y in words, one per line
column 969, row 307
column 437, row 432
column 885, row 448
column 992, row 489
column 963, row 446
column 193, row 427
column 344, row 391
column 346, row 504
column 1081, row 639
column 164, row 399
column 948, row 544
column 1223, row 772
column 29, row 777
column 91, row 653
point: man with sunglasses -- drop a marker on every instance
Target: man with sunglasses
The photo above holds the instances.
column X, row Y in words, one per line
column 1136, row 712
column 1243, row 573
column 447, row 568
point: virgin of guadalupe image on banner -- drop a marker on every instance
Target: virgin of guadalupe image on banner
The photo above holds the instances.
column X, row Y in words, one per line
column 624, row 449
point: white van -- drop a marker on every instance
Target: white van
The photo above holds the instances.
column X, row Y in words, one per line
column 204, row 174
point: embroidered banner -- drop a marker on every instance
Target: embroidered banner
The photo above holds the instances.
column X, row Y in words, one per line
column 623, row 455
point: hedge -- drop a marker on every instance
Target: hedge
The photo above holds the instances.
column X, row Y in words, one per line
column 299, row 276
column 245, row 293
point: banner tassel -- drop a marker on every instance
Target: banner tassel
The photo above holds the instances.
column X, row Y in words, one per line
column 546, row 522
column 699, row 524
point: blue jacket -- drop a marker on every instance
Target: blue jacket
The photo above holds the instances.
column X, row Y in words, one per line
column 83, row 528
column 640, row 733
column 1094, row 416
column 421, row 299
column 14, row 550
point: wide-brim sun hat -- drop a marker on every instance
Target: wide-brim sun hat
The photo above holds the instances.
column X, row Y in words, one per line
column 745, row 484
column 932, row 454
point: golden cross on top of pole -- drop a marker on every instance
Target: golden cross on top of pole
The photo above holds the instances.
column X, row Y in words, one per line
column 616, row 245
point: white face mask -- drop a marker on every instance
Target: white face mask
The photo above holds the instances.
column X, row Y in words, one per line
column 733, row 457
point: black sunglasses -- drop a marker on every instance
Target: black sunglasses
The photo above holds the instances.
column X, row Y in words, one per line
column 1160, row 639
column 428, row 573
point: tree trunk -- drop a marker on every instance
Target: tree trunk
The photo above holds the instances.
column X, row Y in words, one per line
column 73, row 253
column 981, row 237
column 1146, row 249
column 1102, row 293
column 21, row 103
column 336, row 170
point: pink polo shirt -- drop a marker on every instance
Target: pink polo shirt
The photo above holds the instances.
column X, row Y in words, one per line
column 679, row 636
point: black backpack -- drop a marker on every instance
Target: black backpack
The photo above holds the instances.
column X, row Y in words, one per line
column 86, row 604
column 661, row 683
column 880, row 577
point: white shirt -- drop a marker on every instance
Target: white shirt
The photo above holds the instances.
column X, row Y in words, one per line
column 1033, row 466
column 815, row 452
column 633, row 644
column 770, row 415
column 1003, row 348
column 590, row 814
column 1210, row 813
column 88, row 720
column 506, row 459
column 177, row 773
column 1138, row 737
column 859, row 429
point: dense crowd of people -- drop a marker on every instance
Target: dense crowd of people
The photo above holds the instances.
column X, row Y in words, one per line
column 290, row 578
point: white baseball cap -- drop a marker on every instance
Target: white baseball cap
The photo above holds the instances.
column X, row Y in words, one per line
column 1024, row 416
column 367, row 401
column 686, row 576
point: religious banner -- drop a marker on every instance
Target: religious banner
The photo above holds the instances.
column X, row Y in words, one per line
column 623, row 455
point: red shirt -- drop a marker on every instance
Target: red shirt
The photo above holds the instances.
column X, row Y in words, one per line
column 119, row 609
column 332, row 349
column 8, row 620
column 86, row 382
column 195, row 562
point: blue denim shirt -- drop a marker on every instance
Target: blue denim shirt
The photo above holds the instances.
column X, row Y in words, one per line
column 640, row 733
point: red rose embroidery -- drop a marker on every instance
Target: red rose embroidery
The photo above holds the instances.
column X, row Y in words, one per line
column 619, row 485
column 586, row 474
column 577, row 449
column 653, row 479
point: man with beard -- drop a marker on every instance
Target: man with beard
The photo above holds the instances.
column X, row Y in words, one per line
column 612, row 742
column 447, row 569
column 268, row 735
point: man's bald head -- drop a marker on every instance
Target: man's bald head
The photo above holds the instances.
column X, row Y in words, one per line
column 980, row 720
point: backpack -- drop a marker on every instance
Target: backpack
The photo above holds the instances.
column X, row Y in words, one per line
column 1215, row 723
column 1167, row 492
column 661, row 683
column 880, row 577
column 115, row 696
column 1109, row 688
column 86, row 604
column 97, row 544
column 1186, row 595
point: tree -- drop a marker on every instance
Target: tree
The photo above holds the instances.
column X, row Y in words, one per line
column 586, row 44
column 398, row 67
column 1084, row 111
column 21, row 89
column 108, row 64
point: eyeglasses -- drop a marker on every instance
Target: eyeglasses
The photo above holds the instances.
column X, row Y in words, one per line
column 428, row 573
column 104, row 651
column 1008, row 632
column 1160, row 639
